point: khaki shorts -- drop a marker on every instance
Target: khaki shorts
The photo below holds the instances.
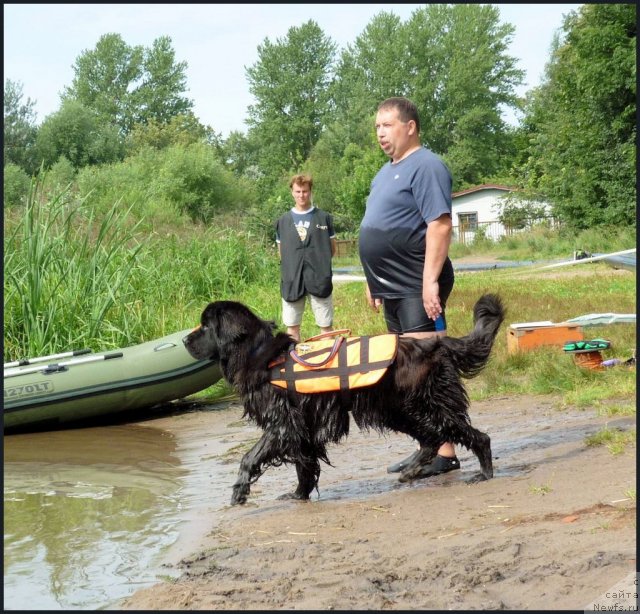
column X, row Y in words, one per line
column 322, row 310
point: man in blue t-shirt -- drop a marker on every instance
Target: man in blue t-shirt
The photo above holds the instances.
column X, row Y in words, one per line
column 404, row 240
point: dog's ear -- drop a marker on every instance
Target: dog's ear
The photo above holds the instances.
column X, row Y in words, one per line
column 271, row 325
column 228, row 327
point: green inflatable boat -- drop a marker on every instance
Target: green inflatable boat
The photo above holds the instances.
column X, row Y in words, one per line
column 42, row 393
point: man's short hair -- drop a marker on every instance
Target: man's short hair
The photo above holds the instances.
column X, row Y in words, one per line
column 407, row 111
column 301, row 180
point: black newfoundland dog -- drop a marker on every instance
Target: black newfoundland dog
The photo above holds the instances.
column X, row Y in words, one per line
column 421, row 394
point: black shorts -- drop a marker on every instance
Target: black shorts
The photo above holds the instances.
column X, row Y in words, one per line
column 407, row 315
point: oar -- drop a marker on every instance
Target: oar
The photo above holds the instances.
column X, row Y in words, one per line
column 30, row 361
column 61, row 366
column 591, row 259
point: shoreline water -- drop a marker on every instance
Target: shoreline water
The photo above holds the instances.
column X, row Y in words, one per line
column 553, row 529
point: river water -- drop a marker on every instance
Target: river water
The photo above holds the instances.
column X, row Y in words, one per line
column 93, row 514
column 90, row 513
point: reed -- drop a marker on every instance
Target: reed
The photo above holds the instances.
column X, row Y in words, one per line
column 73, row 280
column 64, row 273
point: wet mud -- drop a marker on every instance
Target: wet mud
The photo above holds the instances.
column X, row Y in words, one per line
column 554, row 528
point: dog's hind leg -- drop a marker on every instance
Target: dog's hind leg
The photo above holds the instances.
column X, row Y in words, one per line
column 480, row 444
column 481, row 447
column 252, row 466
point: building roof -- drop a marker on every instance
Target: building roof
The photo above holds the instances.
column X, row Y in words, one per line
column 486, row 186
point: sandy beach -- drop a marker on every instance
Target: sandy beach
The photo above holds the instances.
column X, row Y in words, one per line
column 554, row 529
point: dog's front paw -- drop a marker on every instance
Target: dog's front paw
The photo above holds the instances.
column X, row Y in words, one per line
column 479, row 477
column 239, row 495
column 293, row 495
column 413, row 472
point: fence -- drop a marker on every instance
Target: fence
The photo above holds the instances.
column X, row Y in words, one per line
column 494, row 230
column 347, row 247
column 466, row 233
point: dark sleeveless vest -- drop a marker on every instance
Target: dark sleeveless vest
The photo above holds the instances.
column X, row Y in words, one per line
column 305, row 266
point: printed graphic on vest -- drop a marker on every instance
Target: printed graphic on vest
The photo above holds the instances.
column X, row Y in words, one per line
column 303, row 228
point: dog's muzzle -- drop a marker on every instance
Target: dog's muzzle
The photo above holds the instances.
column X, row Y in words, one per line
column 186, row 337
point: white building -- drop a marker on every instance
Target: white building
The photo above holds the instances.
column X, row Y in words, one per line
column 479, row 207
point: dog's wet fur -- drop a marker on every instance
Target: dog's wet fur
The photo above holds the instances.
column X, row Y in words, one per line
column 421, row 394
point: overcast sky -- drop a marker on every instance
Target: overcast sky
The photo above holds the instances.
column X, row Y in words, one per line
column 218, row 41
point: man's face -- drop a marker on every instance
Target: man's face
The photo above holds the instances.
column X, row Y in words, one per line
column 301, row 195
column 394, row 136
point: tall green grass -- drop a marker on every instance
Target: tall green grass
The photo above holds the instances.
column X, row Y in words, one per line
column 74, row 280
column 64, row 272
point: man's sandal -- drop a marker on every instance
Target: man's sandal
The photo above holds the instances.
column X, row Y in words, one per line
column 440, row 464
column 403, row 464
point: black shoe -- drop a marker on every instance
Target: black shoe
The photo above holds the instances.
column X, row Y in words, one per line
column 440, row 464
column 401, row 465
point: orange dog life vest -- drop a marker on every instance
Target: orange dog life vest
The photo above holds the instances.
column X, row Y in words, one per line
column 324, row 365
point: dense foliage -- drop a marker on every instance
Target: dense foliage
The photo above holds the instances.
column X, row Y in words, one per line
column 581, row 122
column 78, row 277
column 125, row 131
column 19, row 128
column 125, row 85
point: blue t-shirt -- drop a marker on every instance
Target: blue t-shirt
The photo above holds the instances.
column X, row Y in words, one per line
column 403, row 199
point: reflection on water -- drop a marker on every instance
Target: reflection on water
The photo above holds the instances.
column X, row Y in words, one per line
column 91, row 514
column 86, row 513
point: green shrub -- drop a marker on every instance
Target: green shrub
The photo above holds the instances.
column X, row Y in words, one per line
column 164, row 185
column 16, row 185
column 193, row 180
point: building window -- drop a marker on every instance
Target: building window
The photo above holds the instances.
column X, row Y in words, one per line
column 468, row 221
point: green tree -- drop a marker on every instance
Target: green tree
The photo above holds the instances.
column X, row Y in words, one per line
column 15, row 184
column 125, row 85
column 19, row 127
column 343, row 163
column 451, row 61
column 372, row 69
column 239, row 153
column 104, row 77
column 159, row 97
column 196, row 183
column 290, row 84
column 581, row 121
column 462, row 80
column 76, row 133
column 358, row 168
column 368, row 71
column 181, row 129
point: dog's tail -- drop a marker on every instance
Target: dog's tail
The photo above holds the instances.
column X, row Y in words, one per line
column 470, row 354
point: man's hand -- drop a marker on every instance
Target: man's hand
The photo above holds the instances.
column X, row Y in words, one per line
column 437, row 240
column 373, row 302
column 431, row 300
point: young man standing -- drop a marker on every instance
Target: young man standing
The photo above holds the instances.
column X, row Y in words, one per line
column 404, row 240
column 306, row 243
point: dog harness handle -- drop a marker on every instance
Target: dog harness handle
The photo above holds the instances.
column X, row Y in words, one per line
column 311, row 365
column 331, row 333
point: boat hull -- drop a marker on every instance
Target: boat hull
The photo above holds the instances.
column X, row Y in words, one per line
column 626, row 262
column 143, row 376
